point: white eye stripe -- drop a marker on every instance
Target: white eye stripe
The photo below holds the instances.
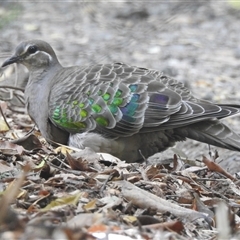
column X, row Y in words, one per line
column 26, row 48
column 31, row 55
column 42, row 52
column 35, row 53
column 49, row 56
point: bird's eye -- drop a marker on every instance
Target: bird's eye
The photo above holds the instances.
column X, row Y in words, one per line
column 32, row 49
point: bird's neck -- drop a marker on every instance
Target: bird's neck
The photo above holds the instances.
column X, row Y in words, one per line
column 39, row 86
column 37, row 94
column 43, row 75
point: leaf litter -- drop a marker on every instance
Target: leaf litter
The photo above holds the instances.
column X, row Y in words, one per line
column 50, row 192
column 60, row 193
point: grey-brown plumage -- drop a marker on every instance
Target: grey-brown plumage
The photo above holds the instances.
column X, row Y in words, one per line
column 116, row 108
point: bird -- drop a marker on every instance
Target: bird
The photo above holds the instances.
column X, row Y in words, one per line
column 130, row 112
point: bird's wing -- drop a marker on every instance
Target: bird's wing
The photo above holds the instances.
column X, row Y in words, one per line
column 120, row 100
column 115, row 99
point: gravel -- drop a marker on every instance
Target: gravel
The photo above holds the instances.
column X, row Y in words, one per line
column 194, row 41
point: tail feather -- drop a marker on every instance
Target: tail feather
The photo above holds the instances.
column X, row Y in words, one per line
column 212, row 132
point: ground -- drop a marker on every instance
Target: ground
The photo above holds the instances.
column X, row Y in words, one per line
column 197, row 42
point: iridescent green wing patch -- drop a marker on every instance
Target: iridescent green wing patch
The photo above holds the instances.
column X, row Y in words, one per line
column 108, row 97
column 62, row 118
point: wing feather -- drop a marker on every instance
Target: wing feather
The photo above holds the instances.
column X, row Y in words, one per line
column 120, row 100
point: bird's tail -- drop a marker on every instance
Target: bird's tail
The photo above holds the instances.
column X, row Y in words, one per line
column 212, row 132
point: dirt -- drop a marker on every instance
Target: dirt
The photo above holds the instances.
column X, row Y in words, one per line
column 195, row 42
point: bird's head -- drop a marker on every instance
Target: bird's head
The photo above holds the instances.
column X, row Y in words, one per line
column 34, row 54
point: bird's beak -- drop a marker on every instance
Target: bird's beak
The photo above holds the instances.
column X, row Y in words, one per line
column 12, row 59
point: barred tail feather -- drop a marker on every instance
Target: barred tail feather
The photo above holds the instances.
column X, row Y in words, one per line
column 212, row 132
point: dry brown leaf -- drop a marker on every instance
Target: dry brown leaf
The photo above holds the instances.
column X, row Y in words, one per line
column 102, row 228
column 9, row 148
column 29, row 142
column 212, row 166
column 175, row 226
column 79, row 163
